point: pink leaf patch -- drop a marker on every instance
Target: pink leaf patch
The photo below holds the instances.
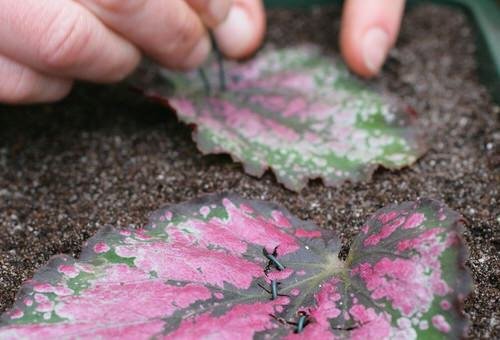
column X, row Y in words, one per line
column 226, row 267
column 297, row 111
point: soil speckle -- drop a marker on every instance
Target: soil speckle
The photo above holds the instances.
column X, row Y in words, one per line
column 106, row 156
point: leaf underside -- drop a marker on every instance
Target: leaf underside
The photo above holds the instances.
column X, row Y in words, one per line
column 197, row 271
column 296, row 111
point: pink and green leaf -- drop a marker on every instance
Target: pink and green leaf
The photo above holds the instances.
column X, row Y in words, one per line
column 197, row 270
column 296, row 111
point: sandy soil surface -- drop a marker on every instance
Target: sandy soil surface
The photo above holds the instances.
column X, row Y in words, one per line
column 107, row 156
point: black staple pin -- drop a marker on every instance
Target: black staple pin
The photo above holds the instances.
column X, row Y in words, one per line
column 273, row 261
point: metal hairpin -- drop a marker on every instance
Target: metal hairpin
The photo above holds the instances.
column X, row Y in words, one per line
column 220, row 65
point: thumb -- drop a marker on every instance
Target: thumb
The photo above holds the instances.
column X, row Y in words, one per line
column 369, row 29
column 243, row 30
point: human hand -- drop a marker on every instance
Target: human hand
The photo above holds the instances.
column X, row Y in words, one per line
column 369, row 29
column 46, row 44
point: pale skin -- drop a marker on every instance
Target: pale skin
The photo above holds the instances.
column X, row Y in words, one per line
column 46, row 45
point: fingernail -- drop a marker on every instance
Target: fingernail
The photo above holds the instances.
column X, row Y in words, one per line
column 236, row 34
column 374, row 46
column 198, row 54
column 219, row 9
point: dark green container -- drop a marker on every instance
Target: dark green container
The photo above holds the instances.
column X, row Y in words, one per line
column 486, row 17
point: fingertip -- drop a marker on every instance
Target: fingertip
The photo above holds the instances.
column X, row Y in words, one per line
column 366, row 56
column 126, row 62
column 56, row 91
column 23, row 85
column 369, row 30
column 243, row 30
column 197, row 55
column 352, row 56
